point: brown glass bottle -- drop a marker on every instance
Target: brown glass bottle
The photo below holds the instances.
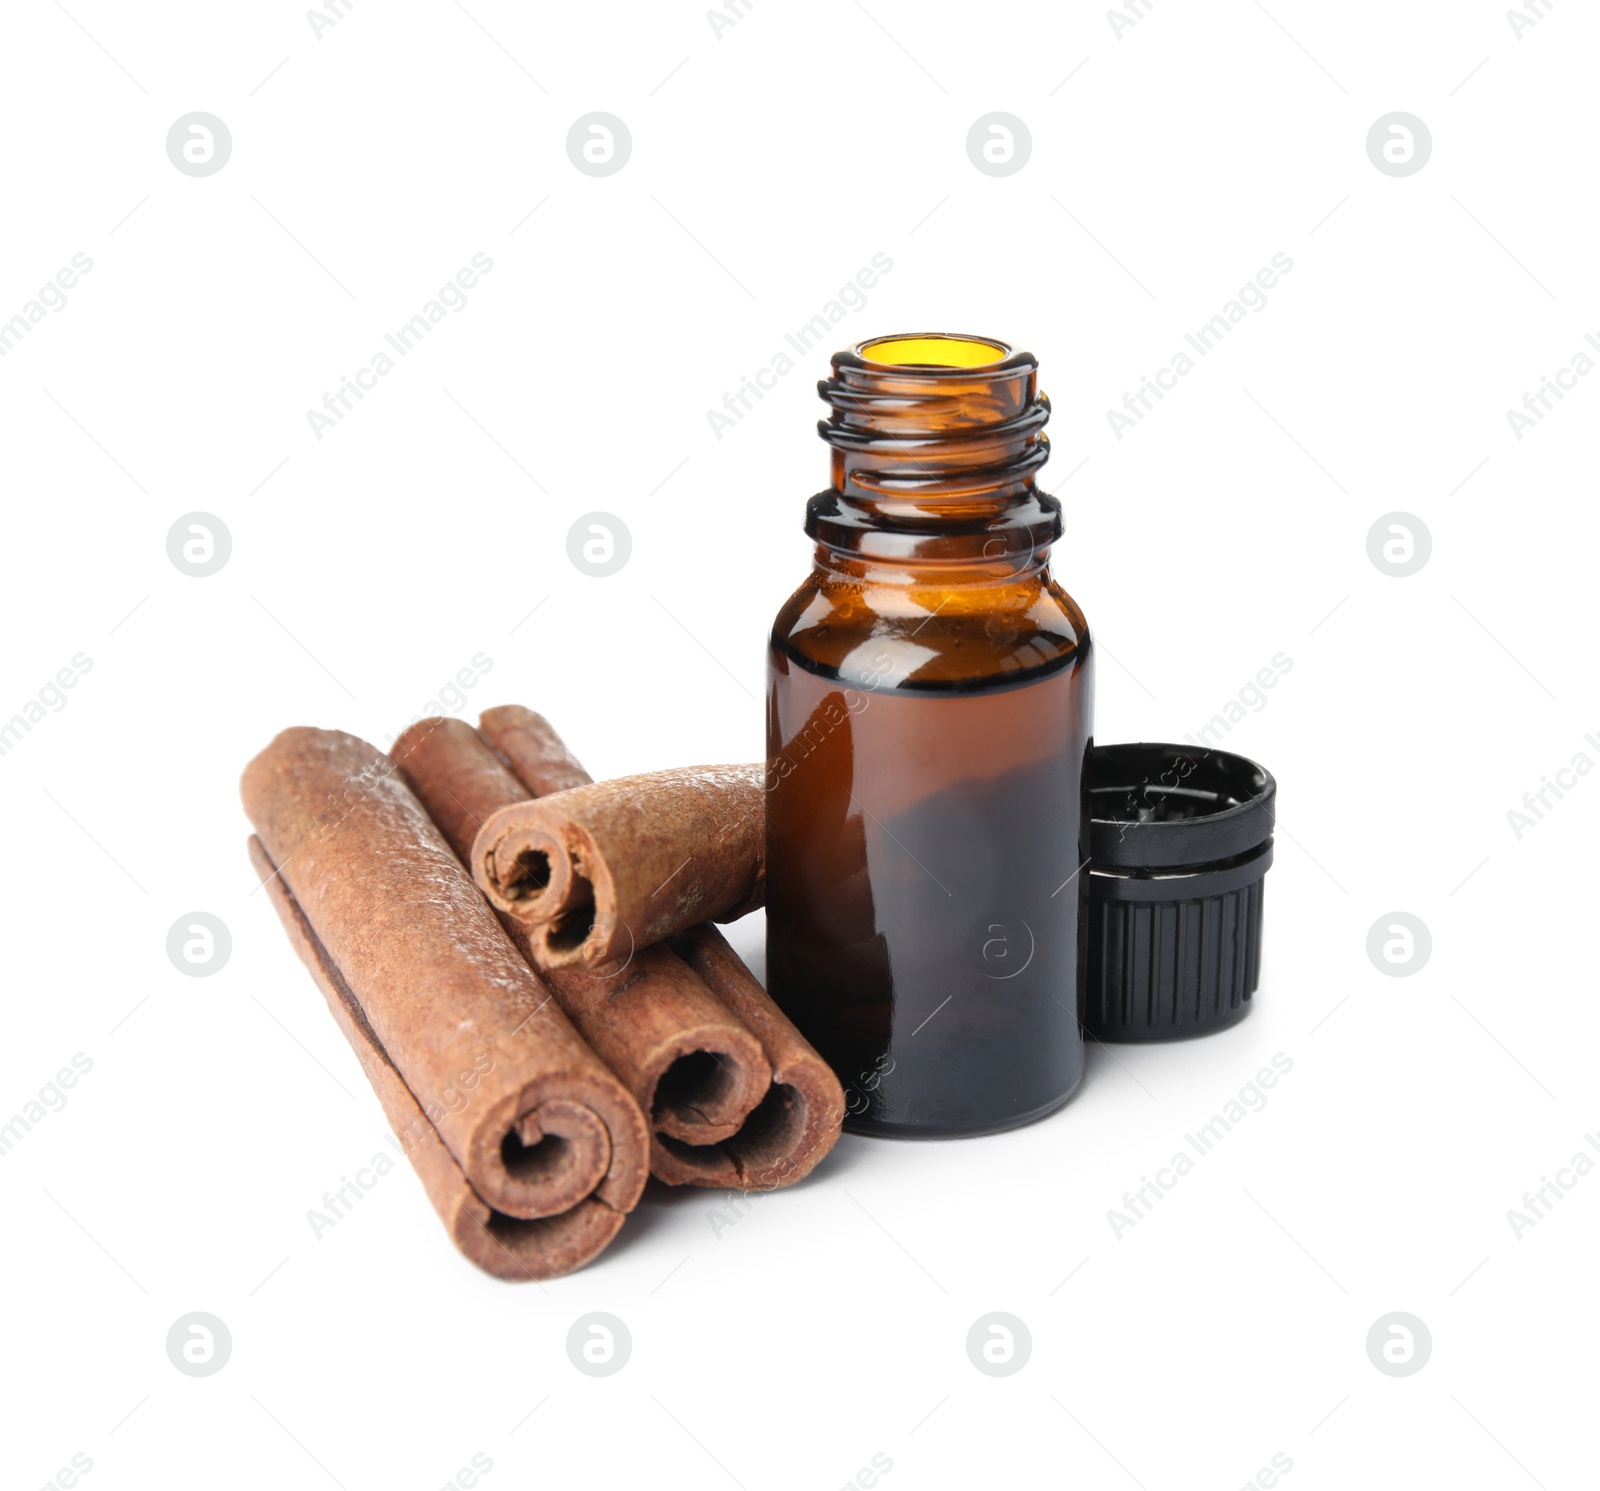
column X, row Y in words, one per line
column 928, row 720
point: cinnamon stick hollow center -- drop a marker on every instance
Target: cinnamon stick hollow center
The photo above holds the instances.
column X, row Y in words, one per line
column 799, row 1119
column 508, row 1247
column 694, row 1069
column 531, row 1115
column 600, row 870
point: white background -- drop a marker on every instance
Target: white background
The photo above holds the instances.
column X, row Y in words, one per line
column 768, row 165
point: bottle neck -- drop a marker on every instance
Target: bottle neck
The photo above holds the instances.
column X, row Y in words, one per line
column 935, row 443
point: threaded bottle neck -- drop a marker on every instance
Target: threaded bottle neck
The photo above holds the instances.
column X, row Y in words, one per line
column 935, row 442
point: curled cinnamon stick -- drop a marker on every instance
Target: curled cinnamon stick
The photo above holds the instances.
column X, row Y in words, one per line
column 507, row 1247
column 529, row 746
column 799, row 1118
column 534, row 1122
column 690, row 1064
column 599, row 870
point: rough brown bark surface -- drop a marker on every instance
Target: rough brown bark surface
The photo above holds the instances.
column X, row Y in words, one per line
column 798, row 1119
column 694, row 1069
column 537, row 756
column 600, row 870
column 507, row 1247
column 530, row 1116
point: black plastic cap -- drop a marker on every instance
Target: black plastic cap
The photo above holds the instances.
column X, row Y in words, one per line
column 1180, row 840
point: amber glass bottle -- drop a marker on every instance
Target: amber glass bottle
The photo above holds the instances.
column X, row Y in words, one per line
column 928, row 720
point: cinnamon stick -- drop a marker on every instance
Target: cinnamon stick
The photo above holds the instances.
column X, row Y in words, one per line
column 529, row 746
column 690, row 1064
column 799, row 1119
column 534, row 1123
column 507, row 1247
column 599, row 870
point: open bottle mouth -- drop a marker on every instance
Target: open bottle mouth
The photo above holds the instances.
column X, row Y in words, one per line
column 933, row 350
column 935, row 438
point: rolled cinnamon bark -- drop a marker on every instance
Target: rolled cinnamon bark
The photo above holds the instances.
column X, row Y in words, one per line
column 799, row 1119
column 691, row 1066
column 530, row 1116
column 529, row 746
column 507, row 1247
column 599, row 870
